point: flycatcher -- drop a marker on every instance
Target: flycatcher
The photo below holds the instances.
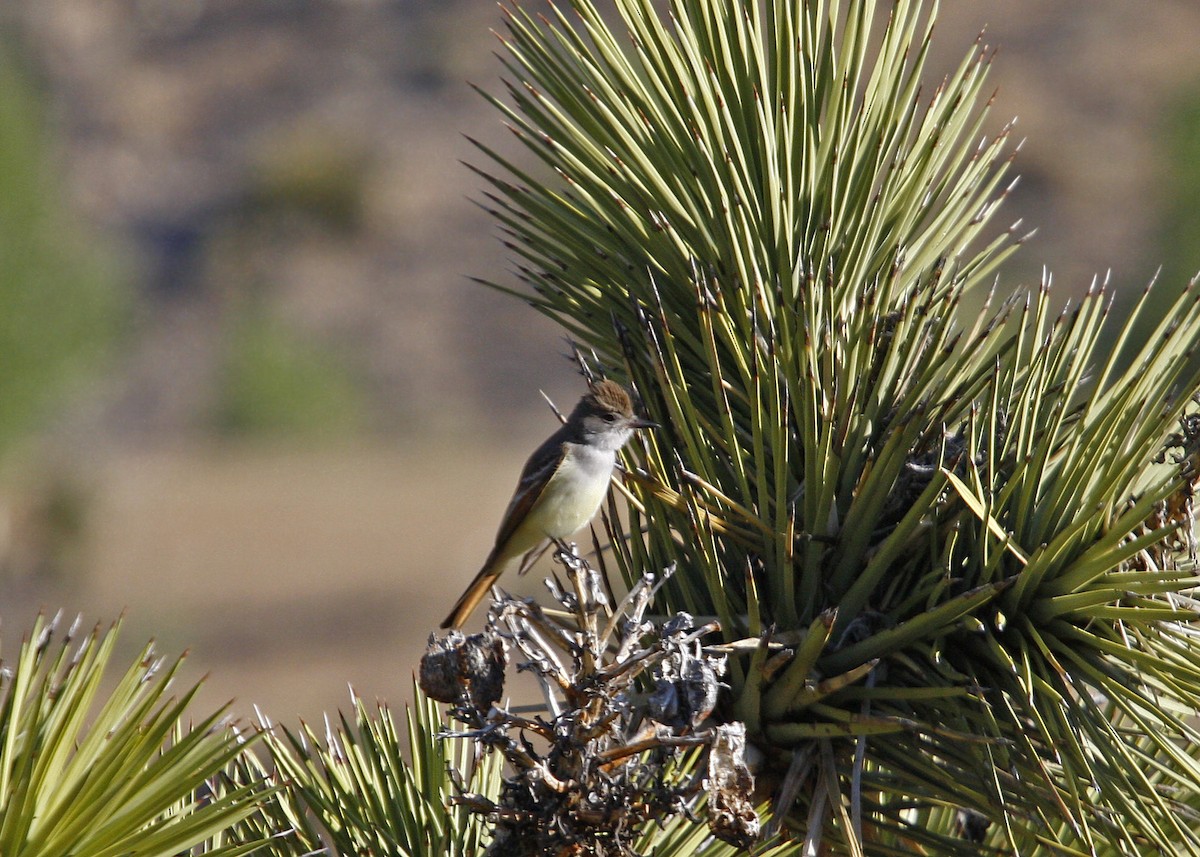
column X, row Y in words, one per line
column 562, row 486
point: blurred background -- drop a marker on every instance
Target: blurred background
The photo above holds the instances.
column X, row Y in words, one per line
column 249, row 396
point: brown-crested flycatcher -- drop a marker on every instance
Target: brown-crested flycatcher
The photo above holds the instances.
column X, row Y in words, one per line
column 562, row 486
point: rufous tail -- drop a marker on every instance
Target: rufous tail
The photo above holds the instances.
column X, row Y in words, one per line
column 475, row 593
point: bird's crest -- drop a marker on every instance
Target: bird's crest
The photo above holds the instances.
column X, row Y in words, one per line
column 610, row 396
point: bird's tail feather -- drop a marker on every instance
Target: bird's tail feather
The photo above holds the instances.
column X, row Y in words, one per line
column 480, row 584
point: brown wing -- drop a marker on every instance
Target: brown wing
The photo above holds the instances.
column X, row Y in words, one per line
column 535, row 476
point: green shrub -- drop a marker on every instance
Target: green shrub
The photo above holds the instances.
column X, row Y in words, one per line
column 274, row 382
column 61, row 307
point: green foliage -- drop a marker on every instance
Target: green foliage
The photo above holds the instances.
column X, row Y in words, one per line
column 1179, row 226
column 60, row 307
column 123, row 777
column 356, row 790
column 276, row 383
column 957, row 543
column 683, row 837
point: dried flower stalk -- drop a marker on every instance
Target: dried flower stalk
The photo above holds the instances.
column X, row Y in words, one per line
column 625, row 699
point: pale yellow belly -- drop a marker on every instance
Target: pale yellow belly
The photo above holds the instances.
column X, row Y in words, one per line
column 567, row 504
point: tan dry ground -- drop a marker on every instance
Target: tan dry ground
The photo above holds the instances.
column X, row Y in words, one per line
column 287, row 574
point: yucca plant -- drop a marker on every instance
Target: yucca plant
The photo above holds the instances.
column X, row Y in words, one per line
column 950, row 536
column 380, row 787
column 373, row 785
column 119, row 778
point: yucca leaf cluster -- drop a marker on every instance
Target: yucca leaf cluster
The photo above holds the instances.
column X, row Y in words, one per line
column 373, row 783
column 124, row 776
column 951, row 519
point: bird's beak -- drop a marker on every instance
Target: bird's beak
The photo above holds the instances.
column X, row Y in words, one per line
column 638, row 423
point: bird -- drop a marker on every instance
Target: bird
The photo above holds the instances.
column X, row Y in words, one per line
column 561, row 487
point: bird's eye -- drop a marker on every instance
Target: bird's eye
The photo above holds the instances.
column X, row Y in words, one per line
column 608, row 418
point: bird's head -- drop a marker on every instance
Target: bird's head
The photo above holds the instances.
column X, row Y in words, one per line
column 605, row 416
